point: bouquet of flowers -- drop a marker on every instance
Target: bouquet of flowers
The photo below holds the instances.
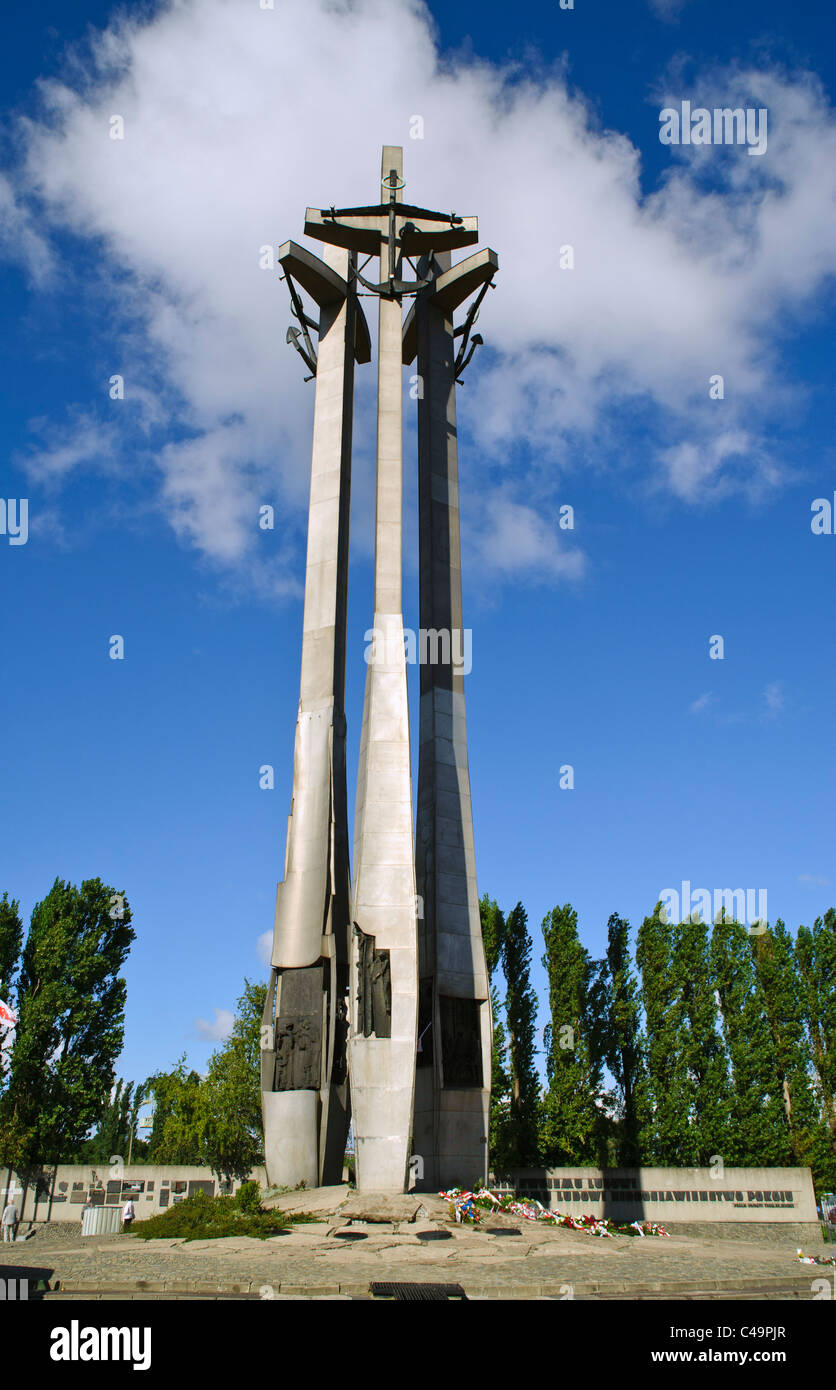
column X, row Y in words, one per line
column 815, row 1259
column 466, row 1207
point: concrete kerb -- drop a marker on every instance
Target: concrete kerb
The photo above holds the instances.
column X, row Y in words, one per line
column 551, row 1289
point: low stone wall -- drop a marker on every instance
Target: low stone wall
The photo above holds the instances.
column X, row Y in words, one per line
column 803, row 1233
column 61, row 1192
column 754, row 1203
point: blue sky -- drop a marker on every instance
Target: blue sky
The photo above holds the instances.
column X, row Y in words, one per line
column 590, row 647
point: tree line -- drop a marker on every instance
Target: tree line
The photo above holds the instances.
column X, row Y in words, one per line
column 712, row 1041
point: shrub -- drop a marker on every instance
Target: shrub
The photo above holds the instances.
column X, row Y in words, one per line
column 200, row 1217
column 248, row 1198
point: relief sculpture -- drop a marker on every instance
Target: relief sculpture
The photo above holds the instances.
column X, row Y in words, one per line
column 374, row 988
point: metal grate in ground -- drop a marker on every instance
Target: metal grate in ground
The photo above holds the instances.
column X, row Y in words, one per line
column 417, row 1293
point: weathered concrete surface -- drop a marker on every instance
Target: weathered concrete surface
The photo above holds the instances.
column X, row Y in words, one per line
column 305, row 1125
column 348, row 1205
column 382, row 1068
column 542, row 1263
column 452, row 1088
column 380, row 1206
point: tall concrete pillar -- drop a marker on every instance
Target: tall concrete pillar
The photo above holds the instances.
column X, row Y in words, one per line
column 384, row 974
column 452, row 1095
column 304, row 1086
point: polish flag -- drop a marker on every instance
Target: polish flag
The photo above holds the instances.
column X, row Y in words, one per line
column 6, row 1014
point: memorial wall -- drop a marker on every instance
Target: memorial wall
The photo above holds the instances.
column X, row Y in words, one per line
column 747, row 1202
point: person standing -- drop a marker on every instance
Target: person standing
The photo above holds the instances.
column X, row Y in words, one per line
column 10, row 1219
column 128, row 1215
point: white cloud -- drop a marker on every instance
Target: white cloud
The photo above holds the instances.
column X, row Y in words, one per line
column 219, row 1029
column 667, row 9
column 236, row 118
column 774, row 698
column 508, row 537
column 701, row 703
column 19, row 240
column 264, row 947
column 82, row 442
column 703, row 471
column 813, row 880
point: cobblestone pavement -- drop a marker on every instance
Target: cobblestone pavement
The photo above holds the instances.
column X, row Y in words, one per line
column 312, row 1260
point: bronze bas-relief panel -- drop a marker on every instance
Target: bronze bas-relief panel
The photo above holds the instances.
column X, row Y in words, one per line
column 374, row 988
column 299, row 1030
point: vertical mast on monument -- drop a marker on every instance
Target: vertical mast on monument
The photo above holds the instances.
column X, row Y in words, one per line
column 452, row 1091
column 304, row 1087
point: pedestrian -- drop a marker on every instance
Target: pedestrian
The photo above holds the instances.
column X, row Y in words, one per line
column 128, row 1215
column 10, row 1219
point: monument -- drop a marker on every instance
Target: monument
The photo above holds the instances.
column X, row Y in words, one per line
column 378, row 1002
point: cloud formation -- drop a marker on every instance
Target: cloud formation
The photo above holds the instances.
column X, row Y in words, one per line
column 227, row 137
column 219, row 1029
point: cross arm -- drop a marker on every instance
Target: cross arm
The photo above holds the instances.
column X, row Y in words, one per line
column 451, row 289
column 322, row 283
column 324, row 286
column 361, row 229
column 359, row 234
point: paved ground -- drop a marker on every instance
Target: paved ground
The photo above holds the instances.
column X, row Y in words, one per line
column 315, row 1260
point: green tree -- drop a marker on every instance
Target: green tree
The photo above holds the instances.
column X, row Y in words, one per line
column 179, row 1116
column 518, row 1139
column 777, row 972
column 622, row 1040
column 665, row 1136
column 815, row 952
column 71, row 1008
column 116, row 1125
column 573, row 1127
column 232, row 1140
column 493, row 931
column 759, row 1131
column 704, row 1056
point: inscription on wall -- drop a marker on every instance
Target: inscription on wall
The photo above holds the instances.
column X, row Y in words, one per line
column 628, row 1190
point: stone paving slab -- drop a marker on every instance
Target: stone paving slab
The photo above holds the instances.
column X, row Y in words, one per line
column 309, row 1263
column 314, row 1199
column 382, row 1207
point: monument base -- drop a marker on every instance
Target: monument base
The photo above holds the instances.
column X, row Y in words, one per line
column 803, row 1233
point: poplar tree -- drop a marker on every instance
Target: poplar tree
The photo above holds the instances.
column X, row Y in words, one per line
column 759, row 1133
column 520, row 1146
column 116, row 1125
column 777, row 972
column 573, row 1128
column 623, row 1048
column 70, row 1029
column 815, row 952
column 703, row 1050
column 493, row 931
column 666, row 1137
